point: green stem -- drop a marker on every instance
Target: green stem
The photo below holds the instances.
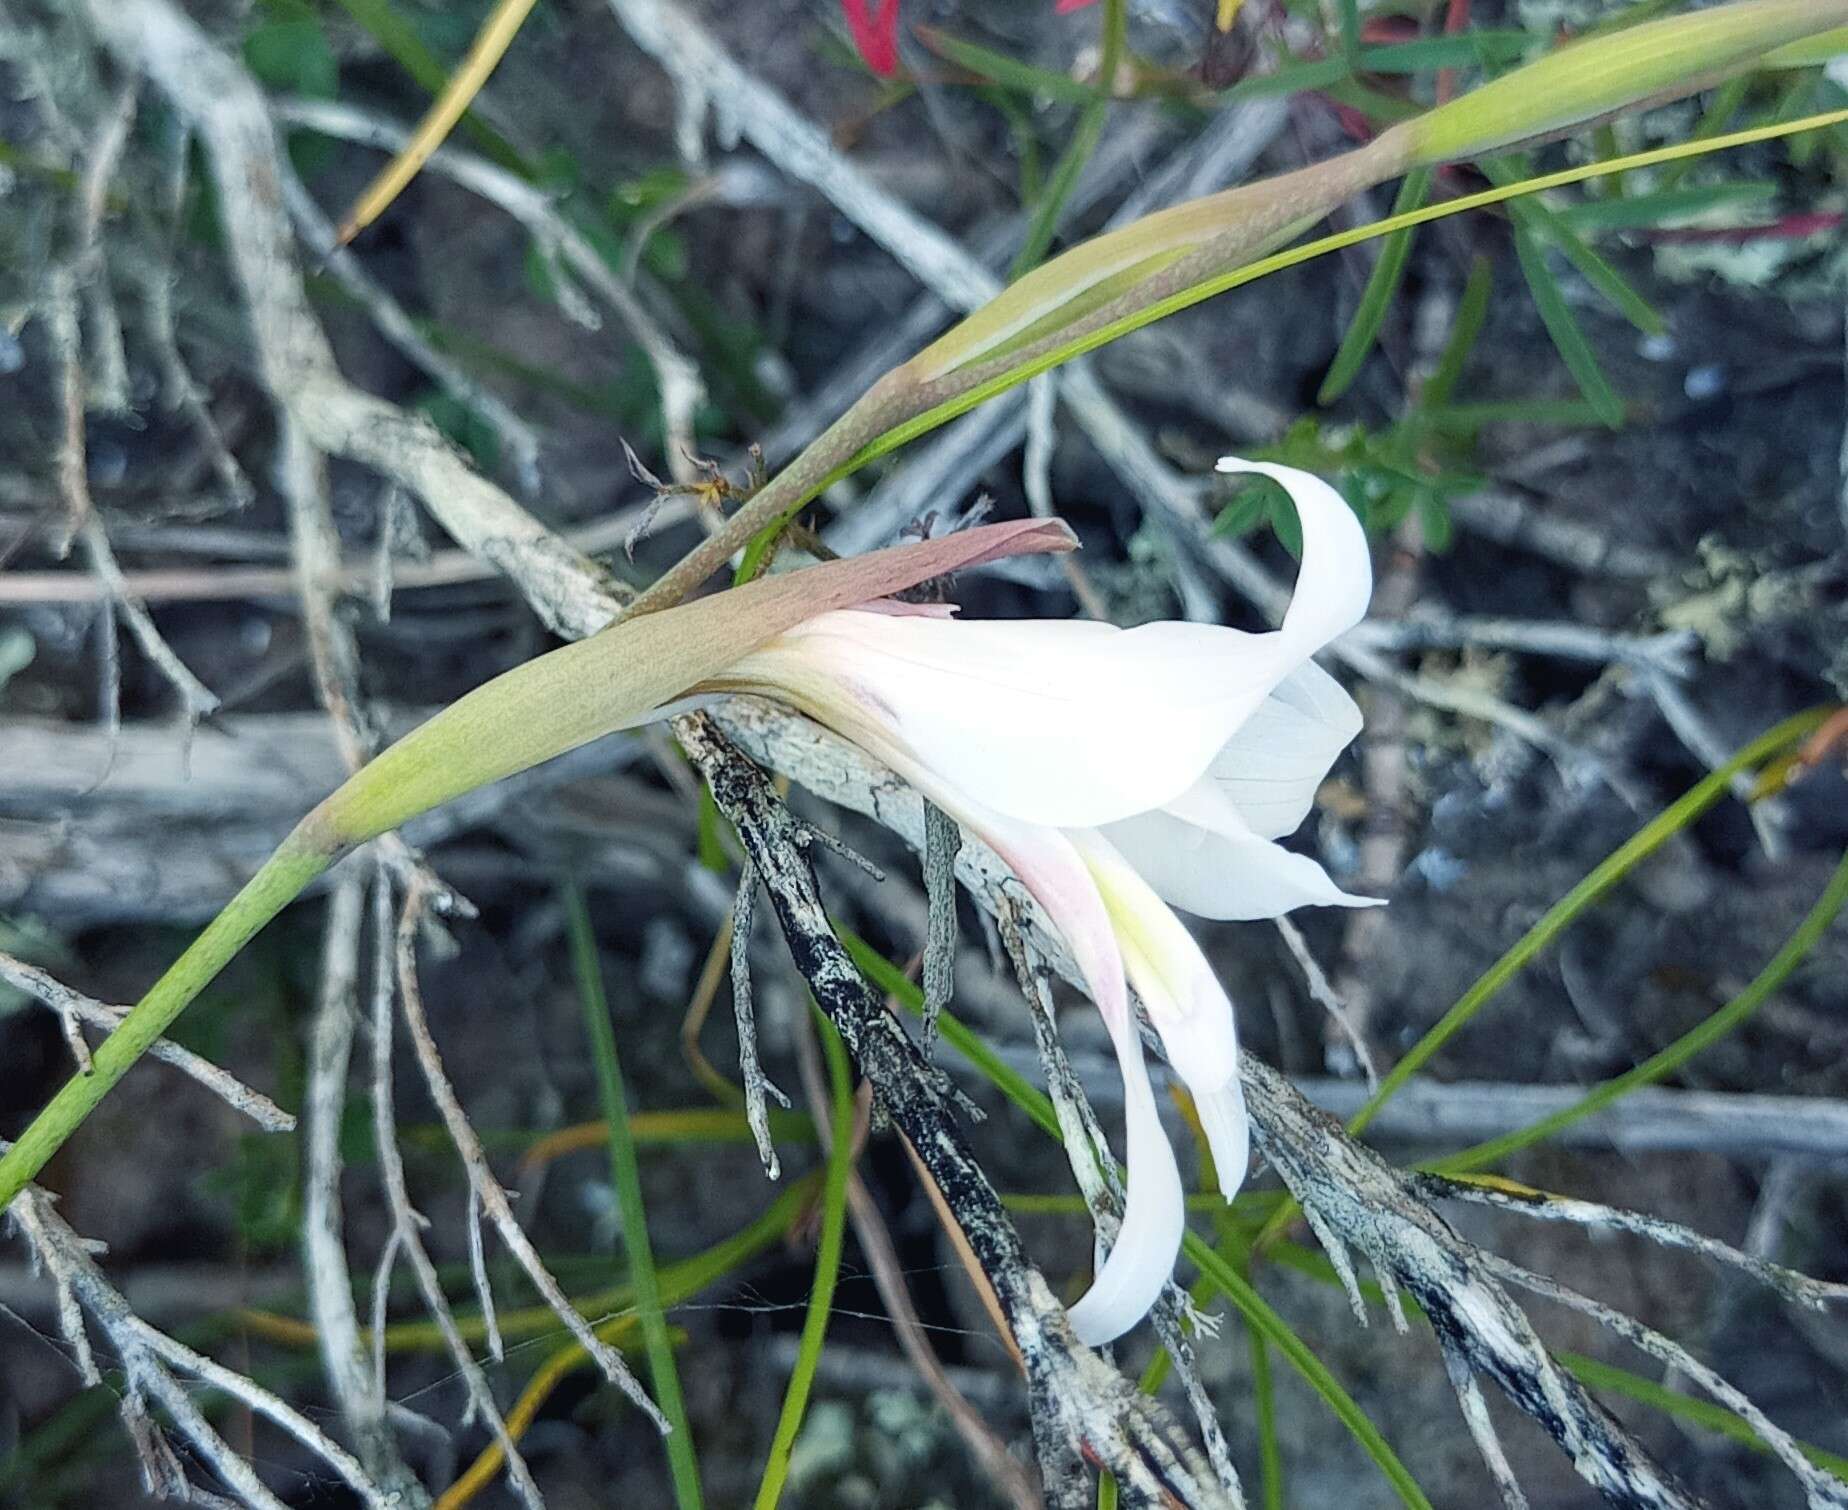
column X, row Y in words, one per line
column 627, row 1177
column 297, row 862
column 827, row 1267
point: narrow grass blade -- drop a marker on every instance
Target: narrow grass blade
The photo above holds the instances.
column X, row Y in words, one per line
column 625, row 1173
column 1562, row 325
column 1702, row 1413
column 1696, row 1040
column 679, row 1282
column 1382, row 288
column 827, row 1268
column 1637, row 848
column 1045, row 223
column 1279, row 1334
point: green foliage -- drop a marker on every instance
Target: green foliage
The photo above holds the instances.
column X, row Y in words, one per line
column 1385, row 475
column 463, row 426
column 293, row 56
column 625, row 1174
column 261, row 1184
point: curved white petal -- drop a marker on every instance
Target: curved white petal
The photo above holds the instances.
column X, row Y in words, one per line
column 1271, row 767
column 1185, row 1002
column 1336, row 578
column 1199, row 855
column 1131, row 1278
column 1068, row 723
column 1154, row 1214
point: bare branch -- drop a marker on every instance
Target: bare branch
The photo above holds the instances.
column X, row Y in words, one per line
column 73, row 1008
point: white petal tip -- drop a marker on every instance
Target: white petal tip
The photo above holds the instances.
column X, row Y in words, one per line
column 1228, row 1133
column 1154, row 1219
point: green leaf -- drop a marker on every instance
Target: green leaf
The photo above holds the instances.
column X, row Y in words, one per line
column 1470, row 49
column 1472, row 310
column 1434, row 522
column 1660, row 207
column 1382, row 287
column 625, row 1174
column 1278, row 1333
column 827, row 1265
column 1703, row 1413
column 1010, row 73
column 1078, row 151
column 1534, row 216
column 1574, row 350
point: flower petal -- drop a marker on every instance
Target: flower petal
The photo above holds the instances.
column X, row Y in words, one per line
column 1185, row 1002
column 1200, row 855
column 1270, row 769
column 1228, row 1133
column 1154, row 1214
column 1068, row 723
column 1130, row 1279
column 1336, row 579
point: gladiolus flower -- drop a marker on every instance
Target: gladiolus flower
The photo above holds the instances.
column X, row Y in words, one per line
column 1117, row 772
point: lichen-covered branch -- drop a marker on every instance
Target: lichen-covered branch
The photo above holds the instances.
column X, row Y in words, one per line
column 1078, row 1404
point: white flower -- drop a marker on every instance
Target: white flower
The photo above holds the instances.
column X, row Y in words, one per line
column 1117, row 771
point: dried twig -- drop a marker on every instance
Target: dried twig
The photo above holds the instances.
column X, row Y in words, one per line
column 567, row 252
column 74, row 1008
column 149, row 1358
column 757, row 1085
column 227, row 110
column 483, row 1187
column 356, row 1388
column 876, row 1246
column 406, row 1235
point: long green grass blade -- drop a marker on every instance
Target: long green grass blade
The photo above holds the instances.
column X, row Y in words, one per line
column 1669, row 1060
column 1563, row 913
column 1264, row 1404
column 625, row 1174
column 1562, row 325
column 1280, row 1335
column 827, row 1267
column 1382, row 288
column 1702, row 1413
column 1045, row 222
column 1009, row 73
column 1661, row 207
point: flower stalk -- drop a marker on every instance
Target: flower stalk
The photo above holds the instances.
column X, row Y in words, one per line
column 1110, row 277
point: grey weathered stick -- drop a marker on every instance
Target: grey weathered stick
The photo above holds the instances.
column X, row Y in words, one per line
column 357, row 1391
column 1074, row 1398
column 148, row 1355
column 757, row 1085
